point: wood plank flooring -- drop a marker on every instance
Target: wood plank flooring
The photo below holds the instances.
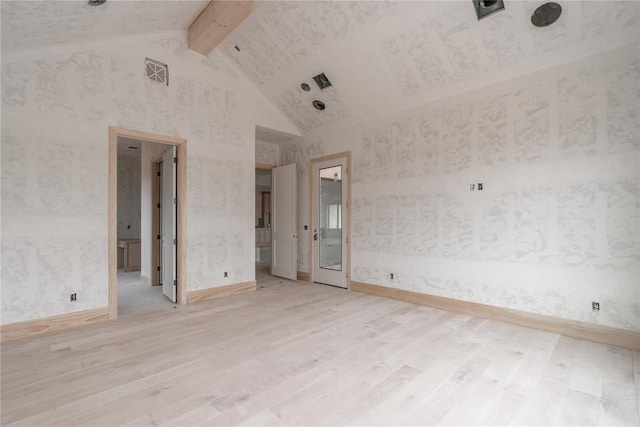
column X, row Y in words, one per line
column 293, row 353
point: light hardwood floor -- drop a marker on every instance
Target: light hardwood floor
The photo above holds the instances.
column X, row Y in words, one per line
column 295, row 353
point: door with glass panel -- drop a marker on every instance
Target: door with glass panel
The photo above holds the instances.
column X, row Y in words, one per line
column 330, row 222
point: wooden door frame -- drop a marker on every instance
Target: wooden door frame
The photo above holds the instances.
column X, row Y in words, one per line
column 266, row 166
column 181, row 272
column 312, row 252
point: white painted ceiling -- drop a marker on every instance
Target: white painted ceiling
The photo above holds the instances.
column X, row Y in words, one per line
column 129, row 147
column 39, row 24
column 381, row 56
column 384, row 57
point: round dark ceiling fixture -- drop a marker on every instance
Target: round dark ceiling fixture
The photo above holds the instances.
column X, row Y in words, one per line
column 96, row 2
column 305, row 87
column 546, row 14
column 318, row 105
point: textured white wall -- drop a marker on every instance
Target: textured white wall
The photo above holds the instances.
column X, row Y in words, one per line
column 128, row 197
column 54, row 168
column 557, row 225
column 267, row 153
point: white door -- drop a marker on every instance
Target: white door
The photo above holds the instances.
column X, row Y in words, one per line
column 284, row 197
column 169, row 237
column 329, row 180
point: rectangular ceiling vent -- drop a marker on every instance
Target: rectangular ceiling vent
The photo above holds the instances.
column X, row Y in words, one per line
column 485, row 8
column 156, row 71
column 322, row 81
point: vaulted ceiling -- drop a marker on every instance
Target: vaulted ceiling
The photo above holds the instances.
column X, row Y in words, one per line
column 381, row 56
column 387, row 56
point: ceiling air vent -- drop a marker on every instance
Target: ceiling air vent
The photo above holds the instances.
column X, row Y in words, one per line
column 322, row 81
column 487, row 7
column 156, row 71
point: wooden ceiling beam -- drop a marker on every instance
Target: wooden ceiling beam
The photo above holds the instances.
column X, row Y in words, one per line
column 216, row 21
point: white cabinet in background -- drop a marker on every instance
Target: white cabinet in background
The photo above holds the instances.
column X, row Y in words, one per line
column 263, row 237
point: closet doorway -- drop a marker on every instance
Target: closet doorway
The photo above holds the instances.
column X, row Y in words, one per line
column 172, row 218
column 263, row 249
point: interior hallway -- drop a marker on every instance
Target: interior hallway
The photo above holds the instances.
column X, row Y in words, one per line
column 135, row 296
column 297, row 353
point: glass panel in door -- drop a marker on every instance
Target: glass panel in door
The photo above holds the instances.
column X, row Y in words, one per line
column 330, row 215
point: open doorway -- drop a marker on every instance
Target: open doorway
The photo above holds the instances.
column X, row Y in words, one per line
column 276, row 203
column 147, row 184
column 140, row 226
column 263, row 219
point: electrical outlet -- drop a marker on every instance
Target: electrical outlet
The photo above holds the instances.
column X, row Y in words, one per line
column 225, row 274
column 480, row 186
column 391, row 276
column 595, row 306
column 73, row 297
column 472, row 187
